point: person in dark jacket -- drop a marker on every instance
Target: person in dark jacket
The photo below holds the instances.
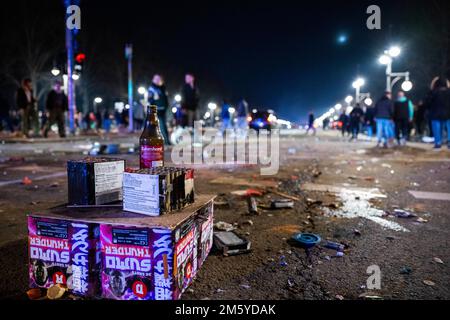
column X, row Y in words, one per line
column 355, row 120
column 311, row 120
column 438, row 104
column 157, row 96
column 190, row 99
column 419, row 118
column 26, row 103
column 403, row 116
column 344, row 120
column 369, row 120
column 56, row 106
column 384, row 111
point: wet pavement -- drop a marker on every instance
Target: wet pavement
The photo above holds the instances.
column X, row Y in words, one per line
column 347, row 193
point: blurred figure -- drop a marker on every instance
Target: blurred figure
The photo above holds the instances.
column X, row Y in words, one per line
column 403, row 116
column 107, row 121
column 4, row 114
column 419, row 118
column 242, row 115
column 138, row 115
column 326, row 123
column 26, row 103
column 343, row 119
column 311, row 120
column 190, row 99
column 157, row 96
column 355, row 121
column 226, row 117
column 369, row 121
column 438, row 104
column 56, row 106
column 384, row 110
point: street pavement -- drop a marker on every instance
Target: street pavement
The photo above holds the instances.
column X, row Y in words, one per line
column 344, row 190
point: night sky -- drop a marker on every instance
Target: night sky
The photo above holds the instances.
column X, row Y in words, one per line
column 290, row 56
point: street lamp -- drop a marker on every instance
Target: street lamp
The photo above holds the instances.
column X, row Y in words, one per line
column 98, row 100
column 178, row 98
column 349, row 99
column 55, row 71
column 75, row 76
column 357, row 84
column 143, row 92
column 212, row 106
column 338, row 106
column 368, row 101
column 393, row 77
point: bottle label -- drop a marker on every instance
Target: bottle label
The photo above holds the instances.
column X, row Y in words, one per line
column 152, row 157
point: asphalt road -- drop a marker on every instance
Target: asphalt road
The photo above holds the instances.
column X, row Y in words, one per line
column 343, row 191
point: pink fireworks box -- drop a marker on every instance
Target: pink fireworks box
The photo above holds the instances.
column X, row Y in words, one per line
column 134, row 257
column 64, row 252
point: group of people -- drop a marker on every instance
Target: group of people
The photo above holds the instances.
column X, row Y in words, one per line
column 395, row 119
column 27, row 116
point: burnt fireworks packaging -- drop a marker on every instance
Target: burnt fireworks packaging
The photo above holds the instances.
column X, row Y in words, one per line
column 95, row 181
column 64, row 252
column 156, row 191
column 155, row 258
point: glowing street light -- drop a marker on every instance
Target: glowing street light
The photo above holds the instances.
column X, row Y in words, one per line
column 349, row 99
column 368, row 102
column 75, row 76
column 55, row 71
column 338, row 106
column 174, row 110
column 142, row 90
column 358, row 83
column 394, row 51
column 331, row 111
column 98, row 100
column 407, row 85
column 231, row 110
column 212, row 106
column 178, row 98
column 385, row 59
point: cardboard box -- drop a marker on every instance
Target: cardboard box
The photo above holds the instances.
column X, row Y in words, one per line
column 64, row 252
column 146, row 258
column 157, row 191
column 95, row 181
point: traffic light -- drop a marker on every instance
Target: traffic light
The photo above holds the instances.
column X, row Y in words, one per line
column 79, row 61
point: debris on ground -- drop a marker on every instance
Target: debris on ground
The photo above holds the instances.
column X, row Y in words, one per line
column 356, row 232
column 56, row 292
column 399, row 213
column 339, row 297
column 230, row 243
column 35, row 294
column 224, row 226
column 248, row 222
column 27, row 181
column 252, row 206
column 247, row 193
column 334, row 246
column 438, row 260
column 284, row 195
column 369, row 296
column 313, row 202
column 421, row 220
column 405, row 270
column 429, row 283
column 281, row 204
column 306, row 240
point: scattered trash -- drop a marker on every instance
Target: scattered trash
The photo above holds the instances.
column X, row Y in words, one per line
column 437, row 260
column 339, row 297
column 34, row 203
column 312, row 202
column 421, row 220
column 370, row 297
column 292, row 151
column 307, row 240
column 356, row 232
column 248, row 222
column 190, row 290
column 403, row 214
column 369, row 178
column 339, row 254
column 359, row 168
column 316, row 173
column 56, row 292
column 26, row 181
column 405, row 270
column 252, row 205
column 283, row 262
column 284, row 195
column 220, row 290
column 35, row 294
column 54, row 185
column 429, row 283
column 247, row 193
column 386, row 165
column 224, row 226
column 229, row 243
column 281, row 204
column 334, row 246
column 245, row 286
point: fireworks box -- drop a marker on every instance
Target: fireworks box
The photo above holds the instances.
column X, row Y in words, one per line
column 64, row 252
column 157, row 191
column 142, row 257
column 95, row 181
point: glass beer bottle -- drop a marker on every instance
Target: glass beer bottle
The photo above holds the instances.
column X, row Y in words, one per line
column 151, row 141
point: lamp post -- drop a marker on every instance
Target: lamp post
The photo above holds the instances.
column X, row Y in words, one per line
column 357, row 84
column 393, row 77
column 144, row 93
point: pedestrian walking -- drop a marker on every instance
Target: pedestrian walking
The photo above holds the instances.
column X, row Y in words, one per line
column 403, row 116
column 311, row 120
column 190, row 99
column 343, row 120
column 56, row 106
column 369, row 121
column 157, row 96
column 26, row 103
column 438, row 104
column 384, row 111
column 356, row 115
column 5, row 117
